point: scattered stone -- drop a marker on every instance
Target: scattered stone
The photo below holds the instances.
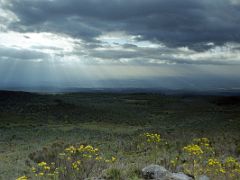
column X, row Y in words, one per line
column 203, row 177
column 179, row 176
column 160, row 173
column 154, row 172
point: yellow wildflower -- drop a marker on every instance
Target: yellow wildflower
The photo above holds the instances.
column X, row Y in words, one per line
column 71, row 149
column 213, row 162
column 98, row 158
column 193, row 149
column 33, row 169
column 41, row 174
column 230, row 160
column 46, row 168
column 22, row 178
column 114, row 159
column 41, row 164
column 152, row 138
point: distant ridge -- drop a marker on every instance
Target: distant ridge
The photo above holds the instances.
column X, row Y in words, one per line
column 163, row 91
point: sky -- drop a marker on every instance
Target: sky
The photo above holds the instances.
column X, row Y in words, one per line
column 187, row 44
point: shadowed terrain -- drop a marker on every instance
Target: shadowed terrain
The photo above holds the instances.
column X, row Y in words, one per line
column 30, row 122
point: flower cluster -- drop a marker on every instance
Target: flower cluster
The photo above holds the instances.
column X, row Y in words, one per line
column 84, row 152
column 75, row 160
column 214, row 166
column 81, row 148
column 45, row 169
column 213, row 162
column 22, row 178
column 76, row 165
column 152, row 138
column 193, row 149
column 231, row 162
column 201, row 159
column 232, row 166
column 205, row 145
column 78, row 161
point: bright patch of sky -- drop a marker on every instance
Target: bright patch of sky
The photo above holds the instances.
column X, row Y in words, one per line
column 115, row 39
column 44, row 42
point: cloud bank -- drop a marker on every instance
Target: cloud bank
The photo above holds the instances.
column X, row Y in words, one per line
column 121, row 33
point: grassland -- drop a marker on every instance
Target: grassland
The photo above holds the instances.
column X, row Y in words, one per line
column 31, row 122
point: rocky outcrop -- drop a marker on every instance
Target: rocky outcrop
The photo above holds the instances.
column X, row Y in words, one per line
column 157, row 172
column 154, row 172
column 160, row 173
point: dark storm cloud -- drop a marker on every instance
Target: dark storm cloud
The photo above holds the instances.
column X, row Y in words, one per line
column 176, row 23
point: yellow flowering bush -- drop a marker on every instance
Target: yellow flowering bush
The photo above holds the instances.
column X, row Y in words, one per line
column 193, row 155
column 205, row 145
column 200, row 158
column 83, row 161
column 74, row 161
column 214, row 167
column 232, row 166
column 151, row 142
column 83, row 153
column 45, row 169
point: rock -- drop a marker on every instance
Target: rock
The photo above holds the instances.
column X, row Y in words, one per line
column 179, row 168
column 155, row 172
column 160, row 173
column 203, row 177
column 178, row 176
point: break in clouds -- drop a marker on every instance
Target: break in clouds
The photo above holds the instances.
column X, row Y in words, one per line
column 102, row 39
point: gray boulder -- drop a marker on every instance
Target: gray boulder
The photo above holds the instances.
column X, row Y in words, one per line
column 155, row 172
column 160, row 173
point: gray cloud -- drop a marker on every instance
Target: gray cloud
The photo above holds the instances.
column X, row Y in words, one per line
column 21, row 54
column 89, row 41
column 176, row 23
column 132, row 54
